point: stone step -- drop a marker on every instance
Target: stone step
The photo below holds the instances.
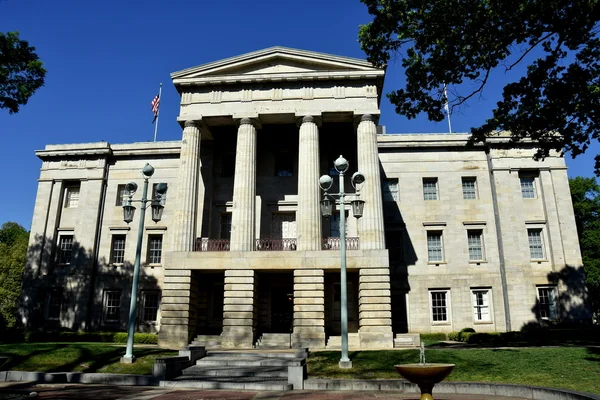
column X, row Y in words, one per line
column 274, row 340
column 335, row 342
column 407, row 340
column 207, row 341
column 273, row 372
column 238, row 383
column 286, row 354
column 242, row 362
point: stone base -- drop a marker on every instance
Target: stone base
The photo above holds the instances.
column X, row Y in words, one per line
column 310, row 338
column 376, row 340
column 345, row 364
column 173, row 336
column 127, row 360
column 237, row 337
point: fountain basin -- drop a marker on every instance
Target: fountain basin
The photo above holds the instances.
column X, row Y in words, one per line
column 425, row 375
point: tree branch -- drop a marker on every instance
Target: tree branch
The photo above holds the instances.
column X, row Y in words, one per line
column 462, row 99
column 527, row 52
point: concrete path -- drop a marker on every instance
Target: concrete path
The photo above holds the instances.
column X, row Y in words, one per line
column 102, row 392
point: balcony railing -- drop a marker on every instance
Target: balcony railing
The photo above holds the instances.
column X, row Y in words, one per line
column 333, row 243
column 206, row 244
column 276, row 244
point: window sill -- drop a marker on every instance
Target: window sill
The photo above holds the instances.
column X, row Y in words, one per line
column 539, row 261
column 436, row 263
column 115, row 265
column 478, row 262
column 439, row 323
column 483, row 322
column 153, row 265
column 63, row 265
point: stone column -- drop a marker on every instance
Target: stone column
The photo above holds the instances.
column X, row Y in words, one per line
column 244, row 188
column 184, row 232
column 308, row 217
column 370, row 227
column 375, row 308
column 309, row 308
column 238, row 309
column 175, row 309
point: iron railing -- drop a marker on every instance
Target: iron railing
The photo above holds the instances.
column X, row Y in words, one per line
column 205, row 244
column 333, row 243
column 276, row 244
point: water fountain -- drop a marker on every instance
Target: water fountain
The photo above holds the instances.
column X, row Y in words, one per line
column 424, row 375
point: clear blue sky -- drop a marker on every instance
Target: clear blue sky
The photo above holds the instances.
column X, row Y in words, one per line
column 105, row 60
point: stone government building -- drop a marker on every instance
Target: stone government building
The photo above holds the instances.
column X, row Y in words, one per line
column 450, row 237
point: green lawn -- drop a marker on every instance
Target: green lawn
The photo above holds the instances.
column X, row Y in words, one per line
column 78, row 357
column 575, row 368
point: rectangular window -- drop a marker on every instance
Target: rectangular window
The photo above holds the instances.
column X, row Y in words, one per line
column 439, row 305
column 151, row 301
column 390, row 189
column 122, row 195
column 163, row 197
column 430, row 188
column 536, row 245
column 155, row 249
column 117, row 252
column 53, row 304
column 528, row 187
column 284, row 164
column 65, row 249
column 475, row 241
column 435, row 250
column 547, row 301
column 72, row 195
column 112, row 306
column 226, row 226
column 481, row 305
column 469, row 188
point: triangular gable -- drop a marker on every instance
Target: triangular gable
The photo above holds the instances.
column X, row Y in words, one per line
column 276, row 61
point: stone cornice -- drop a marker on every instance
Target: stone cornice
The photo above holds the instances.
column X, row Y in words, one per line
column 103, row 149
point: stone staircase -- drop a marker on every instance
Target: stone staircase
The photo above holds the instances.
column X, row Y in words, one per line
column 274, row 341
column 335, row 342
column 208, row 341
column 239, row 370
column 404, row 340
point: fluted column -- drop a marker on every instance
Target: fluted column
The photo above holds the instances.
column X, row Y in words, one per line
column 244, row 188
column 187, row 189
column 371, row 228
column 308, row 217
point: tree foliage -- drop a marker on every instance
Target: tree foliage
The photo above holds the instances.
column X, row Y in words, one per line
column 13, row 253
column 21, row 71
column 585, row 193
column 451, row 42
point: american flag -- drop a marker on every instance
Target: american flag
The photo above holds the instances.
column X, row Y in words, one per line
column 155, row 103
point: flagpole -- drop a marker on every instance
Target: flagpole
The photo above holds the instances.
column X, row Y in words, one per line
column 447, row 109
column 158, row 111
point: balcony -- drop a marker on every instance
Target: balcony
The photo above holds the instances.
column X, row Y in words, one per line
column 333, row 243
column 206, row 244
column 276, row 244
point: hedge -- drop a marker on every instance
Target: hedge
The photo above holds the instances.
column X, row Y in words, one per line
column 434, row 336
column 102, row 337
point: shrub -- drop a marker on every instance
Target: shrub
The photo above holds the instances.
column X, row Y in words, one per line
column 433, row 336
column 492, row 338
column 455, row 336
column 467, row 330
column 138, row 338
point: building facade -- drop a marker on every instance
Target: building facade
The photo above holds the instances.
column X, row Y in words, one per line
column 451, row 236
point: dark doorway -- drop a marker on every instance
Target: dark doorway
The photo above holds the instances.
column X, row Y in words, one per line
column 282, row 309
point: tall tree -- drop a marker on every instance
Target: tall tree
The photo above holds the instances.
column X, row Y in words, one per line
column 451, row 42
column 585, row 193
column 21, row 71
column 13, row 253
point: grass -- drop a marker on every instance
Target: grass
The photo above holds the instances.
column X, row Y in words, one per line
column 574, row 368
column 78, row 357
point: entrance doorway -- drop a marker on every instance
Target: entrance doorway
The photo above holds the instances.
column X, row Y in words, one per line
column 333, row 303
column 275, row 302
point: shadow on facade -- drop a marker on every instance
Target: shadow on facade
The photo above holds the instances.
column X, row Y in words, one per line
column 401, row 255
column 84, row 294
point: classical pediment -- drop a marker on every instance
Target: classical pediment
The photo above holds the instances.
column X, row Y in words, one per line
column 276, row 63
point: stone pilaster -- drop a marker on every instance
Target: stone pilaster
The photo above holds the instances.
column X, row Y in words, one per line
column 371, row 229
column 308, row 217
column 175, row 309
column 374, row 308
column 244, row 189
column 184, row 232
column 238, row 309
column 309, row 308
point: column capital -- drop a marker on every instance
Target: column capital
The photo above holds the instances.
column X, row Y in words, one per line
column 358, row 118
column 249, row 121
column 191, row 124
column 315, row 119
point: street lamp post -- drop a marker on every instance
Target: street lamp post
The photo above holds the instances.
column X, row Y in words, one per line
column 128, row 213
column 341, row 166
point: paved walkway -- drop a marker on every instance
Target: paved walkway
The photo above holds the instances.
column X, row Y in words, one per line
column 102, row 392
